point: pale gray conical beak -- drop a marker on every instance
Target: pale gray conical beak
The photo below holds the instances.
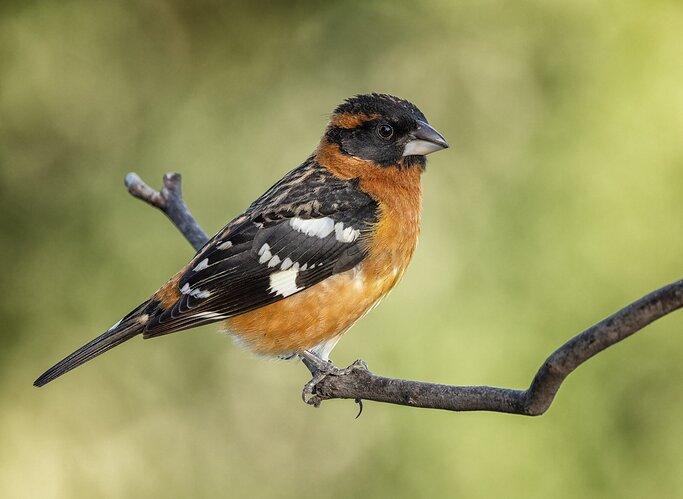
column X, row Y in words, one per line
column 425, row 140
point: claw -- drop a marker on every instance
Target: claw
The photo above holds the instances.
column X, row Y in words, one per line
column 308, row 393
column 360, row 407
column 321, row 369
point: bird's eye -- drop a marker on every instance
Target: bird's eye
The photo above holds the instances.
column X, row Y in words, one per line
column 385, row 131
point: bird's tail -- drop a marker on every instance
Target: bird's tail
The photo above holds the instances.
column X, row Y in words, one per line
column 131, row 325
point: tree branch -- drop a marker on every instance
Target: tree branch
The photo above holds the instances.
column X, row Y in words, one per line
column 170, row 201
column 534, row 401
column 358, row 383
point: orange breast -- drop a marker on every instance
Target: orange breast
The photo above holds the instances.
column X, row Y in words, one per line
column 309, row 318
column 323, row 312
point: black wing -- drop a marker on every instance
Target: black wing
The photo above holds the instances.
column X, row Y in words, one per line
column 304, row 229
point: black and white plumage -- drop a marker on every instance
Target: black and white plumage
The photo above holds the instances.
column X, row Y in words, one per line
column 307, row 227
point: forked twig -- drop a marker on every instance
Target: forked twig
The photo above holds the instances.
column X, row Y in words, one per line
column 170, row 201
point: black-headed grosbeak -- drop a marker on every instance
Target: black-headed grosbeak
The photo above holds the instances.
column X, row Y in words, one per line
column 313, row 254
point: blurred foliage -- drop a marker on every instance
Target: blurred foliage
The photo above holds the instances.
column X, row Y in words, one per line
column 559, row 202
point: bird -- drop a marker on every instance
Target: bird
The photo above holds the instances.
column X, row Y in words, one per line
column 309, row 257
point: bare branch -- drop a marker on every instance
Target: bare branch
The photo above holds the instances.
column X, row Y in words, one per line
column 170, row 201
column 358, row 383
column 534, row 401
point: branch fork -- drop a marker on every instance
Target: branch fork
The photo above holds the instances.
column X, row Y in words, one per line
column 356, row 382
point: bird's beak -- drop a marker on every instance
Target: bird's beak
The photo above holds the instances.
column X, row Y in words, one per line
column 425, row 140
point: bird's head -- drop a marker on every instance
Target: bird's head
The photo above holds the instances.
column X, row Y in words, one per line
column 384, row 129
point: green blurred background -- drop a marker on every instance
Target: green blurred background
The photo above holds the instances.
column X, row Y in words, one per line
column 558, row 203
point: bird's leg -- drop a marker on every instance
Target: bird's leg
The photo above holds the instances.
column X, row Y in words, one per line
column 320, row 369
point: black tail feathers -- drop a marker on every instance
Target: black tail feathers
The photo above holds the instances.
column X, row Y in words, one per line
column 131, row 325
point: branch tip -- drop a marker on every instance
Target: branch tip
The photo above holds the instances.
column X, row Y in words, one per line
column 170, row 201
column 173, row 182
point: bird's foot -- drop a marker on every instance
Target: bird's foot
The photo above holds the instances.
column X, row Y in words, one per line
column 320, row 369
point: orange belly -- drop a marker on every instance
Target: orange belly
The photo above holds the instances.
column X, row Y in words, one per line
column 315, row 317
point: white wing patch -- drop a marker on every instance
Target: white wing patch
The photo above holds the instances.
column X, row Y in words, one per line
column 273, row 260
column 225, row 245
column 197, row 293
column 345, row 235
column 265, row 253
column 323, row 227
column 283, row 282
column 204, row 264
column 314, row 227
